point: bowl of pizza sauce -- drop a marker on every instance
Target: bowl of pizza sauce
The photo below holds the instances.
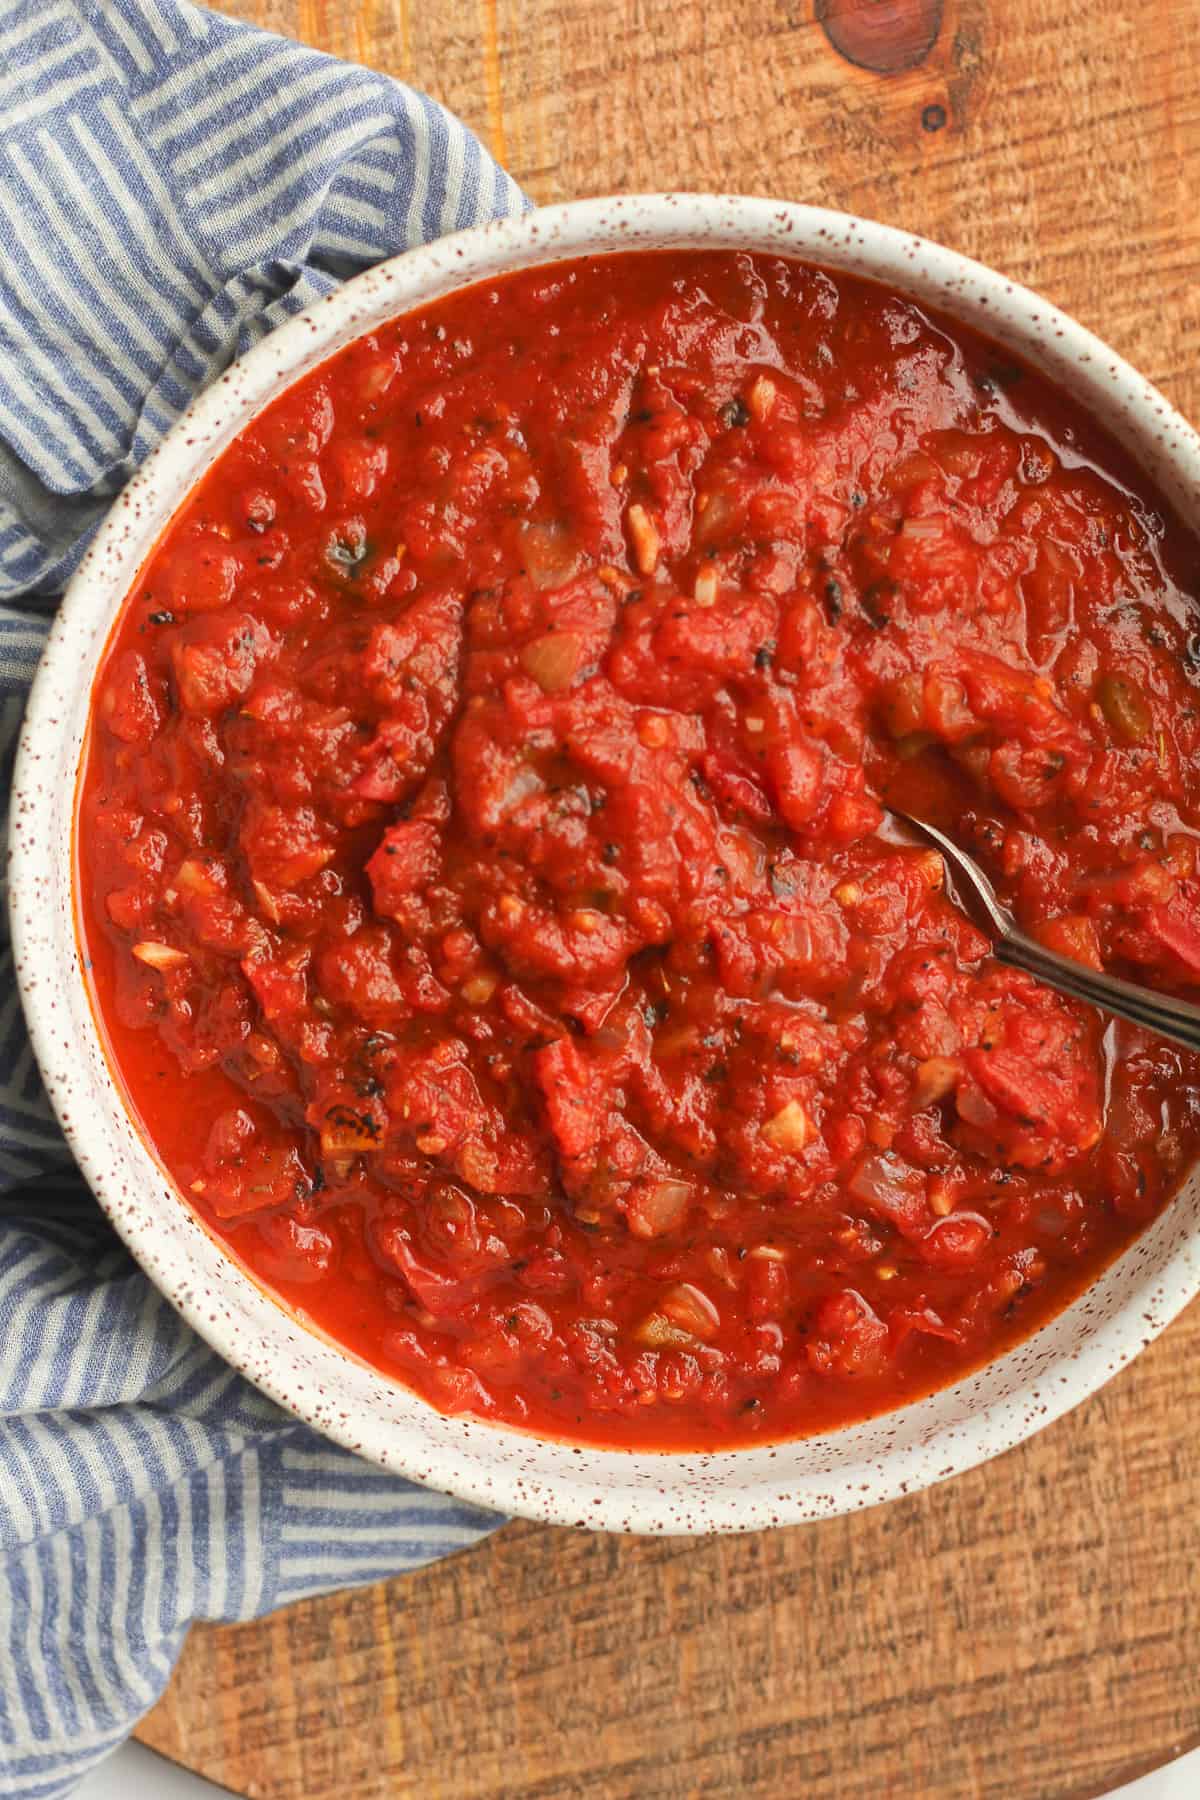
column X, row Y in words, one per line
column 454, row 892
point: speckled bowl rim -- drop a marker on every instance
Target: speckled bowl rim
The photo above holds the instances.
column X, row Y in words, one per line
column 780, row 1484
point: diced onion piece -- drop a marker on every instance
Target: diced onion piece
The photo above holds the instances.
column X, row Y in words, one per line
column 478, row 990
column 976, row 1109
column 937, row 1076
column 553, row 660
column 933, row 869
column 658, row 1206
column 298, row 868
column 524, row 782
column 1124, row 706
column 690, row 1308
column 657, row 1332
column 706, row 586
column 193, row 878
column 549, row 553
column 720, row 1265
column 762, row 397
column 478, row 1168
column 615, row 580
column 767, row 1253
column 266, row 902
column 919, row 530
column 885, row 1181
column 377, row 377
column 941, row 1200
column 789, row 1129
column 646, row 541
column 160, row 956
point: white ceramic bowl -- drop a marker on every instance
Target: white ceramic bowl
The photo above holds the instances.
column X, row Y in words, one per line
column 740, row 1490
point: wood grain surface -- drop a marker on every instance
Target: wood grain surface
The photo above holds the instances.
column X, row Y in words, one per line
column 1029, row 1631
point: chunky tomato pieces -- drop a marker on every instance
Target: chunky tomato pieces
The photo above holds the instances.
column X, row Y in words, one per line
column 492, row 910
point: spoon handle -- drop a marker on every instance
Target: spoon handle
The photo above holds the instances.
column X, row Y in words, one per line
column 1175, row 1019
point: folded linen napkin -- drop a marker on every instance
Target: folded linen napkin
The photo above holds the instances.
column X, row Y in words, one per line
column 172, row 185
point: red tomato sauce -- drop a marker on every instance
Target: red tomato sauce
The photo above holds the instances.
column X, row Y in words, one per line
column 490, row 910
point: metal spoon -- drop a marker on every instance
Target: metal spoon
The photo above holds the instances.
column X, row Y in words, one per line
column 970, row 889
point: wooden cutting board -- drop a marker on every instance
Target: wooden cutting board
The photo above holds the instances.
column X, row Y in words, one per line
column 1029, row 1631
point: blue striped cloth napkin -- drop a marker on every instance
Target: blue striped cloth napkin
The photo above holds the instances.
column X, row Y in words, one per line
column 172, row 185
